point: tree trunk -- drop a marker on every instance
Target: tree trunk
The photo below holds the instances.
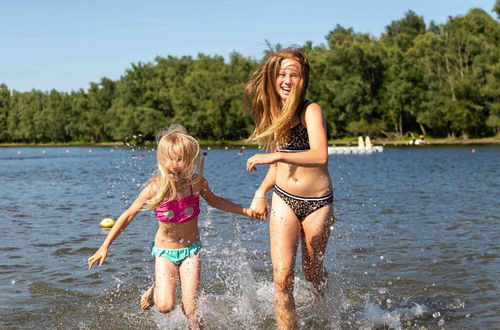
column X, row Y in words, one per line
column 422, row 129
column 448, row 71
column 401, row 123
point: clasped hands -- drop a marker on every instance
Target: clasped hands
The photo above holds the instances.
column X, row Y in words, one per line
column 259, row 208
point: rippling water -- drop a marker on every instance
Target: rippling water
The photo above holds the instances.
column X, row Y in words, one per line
column 415, row 244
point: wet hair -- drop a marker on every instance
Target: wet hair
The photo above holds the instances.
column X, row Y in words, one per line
column 272, row 117
column 174, row 140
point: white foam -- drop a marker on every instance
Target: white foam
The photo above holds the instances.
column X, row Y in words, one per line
column 373, row 315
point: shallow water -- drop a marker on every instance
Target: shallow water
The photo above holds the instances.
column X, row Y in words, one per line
column 415, row 243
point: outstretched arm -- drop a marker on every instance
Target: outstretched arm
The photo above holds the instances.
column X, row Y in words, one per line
column 222, row 203
column 123, row 221
column 316, row 156
column 259, row 202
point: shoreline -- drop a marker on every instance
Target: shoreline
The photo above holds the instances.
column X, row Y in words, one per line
column 216, row 144
column 428, row 142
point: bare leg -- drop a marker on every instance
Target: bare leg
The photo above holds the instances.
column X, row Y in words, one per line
column 315, row 234
column 166, row 274
column 284, row 237
column 190, row 273
column 147, row 298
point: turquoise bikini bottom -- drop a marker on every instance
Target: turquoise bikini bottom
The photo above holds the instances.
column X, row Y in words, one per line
column 176, row 256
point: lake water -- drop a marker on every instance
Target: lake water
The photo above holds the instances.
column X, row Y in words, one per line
column 416, row 242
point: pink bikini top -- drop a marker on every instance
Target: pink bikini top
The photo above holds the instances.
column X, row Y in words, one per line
column 179, row 210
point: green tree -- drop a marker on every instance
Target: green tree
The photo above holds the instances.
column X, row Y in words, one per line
column 4, row 112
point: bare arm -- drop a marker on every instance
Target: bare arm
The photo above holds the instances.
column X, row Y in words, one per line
column 123, row 221
column 316, row 156
column 222, row 203
column 259, row 202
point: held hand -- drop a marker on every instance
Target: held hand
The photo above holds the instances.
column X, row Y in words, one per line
column 100, row 256
column 249, row 213
column 260, row 159
column 260, row 207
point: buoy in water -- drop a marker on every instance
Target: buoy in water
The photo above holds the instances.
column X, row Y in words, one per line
column 106, row 223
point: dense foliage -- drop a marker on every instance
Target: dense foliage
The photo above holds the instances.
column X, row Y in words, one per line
column 441, row 80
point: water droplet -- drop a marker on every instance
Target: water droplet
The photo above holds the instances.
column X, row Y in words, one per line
column 441, row 322
column 381, row 257
column 389, row 283
column 13, row 282
column 436, row 315
column 467, row 315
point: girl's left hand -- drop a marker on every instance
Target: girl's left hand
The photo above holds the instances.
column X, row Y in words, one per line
column 260, row 159
column 98, row 257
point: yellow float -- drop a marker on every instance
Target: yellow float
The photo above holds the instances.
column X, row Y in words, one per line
column 106, row 223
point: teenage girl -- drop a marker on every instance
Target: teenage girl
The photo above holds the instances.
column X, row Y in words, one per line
column 174, row 195
column 293, row 130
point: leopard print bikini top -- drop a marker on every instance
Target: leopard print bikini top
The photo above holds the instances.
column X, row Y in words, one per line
column 298, row 139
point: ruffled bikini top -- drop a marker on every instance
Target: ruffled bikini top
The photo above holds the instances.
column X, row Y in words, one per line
column 179, row 210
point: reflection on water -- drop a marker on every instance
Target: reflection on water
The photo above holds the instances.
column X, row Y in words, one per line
column 415, row 244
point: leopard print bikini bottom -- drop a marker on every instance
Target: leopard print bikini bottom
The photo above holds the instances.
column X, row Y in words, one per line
column 303, row 206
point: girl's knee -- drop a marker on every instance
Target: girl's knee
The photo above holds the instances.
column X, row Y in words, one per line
column 165, row 306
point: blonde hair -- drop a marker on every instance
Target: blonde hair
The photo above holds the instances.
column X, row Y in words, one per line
column 272, row 118
column 174, row 139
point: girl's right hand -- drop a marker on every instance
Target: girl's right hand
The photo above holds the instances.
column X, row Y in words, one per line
column 100, row 255
column 260, row 207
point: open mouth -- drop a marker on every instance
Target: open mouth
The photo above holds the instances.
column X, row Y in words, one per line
column 173, row 174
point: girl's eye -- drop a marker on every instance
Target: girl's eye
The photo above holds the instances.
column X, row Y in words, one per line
column 282, row 74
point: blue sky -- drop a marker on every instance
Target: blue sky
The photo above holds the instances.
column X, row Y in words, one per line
column 66, row 44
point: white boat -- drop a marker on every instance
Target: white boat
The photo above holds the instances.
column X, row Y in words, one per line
column 364, row 147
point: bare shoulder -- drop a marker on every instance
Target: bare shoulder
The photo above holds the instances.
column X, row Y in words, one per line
column 312, row 114
column 148, row 191
column 313, row 107
column 199, row 183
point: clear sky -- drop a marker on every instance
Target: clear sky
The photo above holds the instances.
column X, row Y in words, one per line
column 66, row 44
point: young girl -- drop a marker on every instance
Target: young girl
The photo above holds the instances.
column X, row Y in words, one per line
column 174, row 195
column 294, row 132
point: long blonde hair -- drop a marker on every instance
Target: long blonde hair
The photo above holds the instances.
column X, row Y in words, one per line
column 272, row 118
column 174, row 139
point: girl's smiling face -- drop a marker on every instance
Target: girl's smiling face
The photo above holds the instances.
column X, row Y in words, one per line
column 176, row 164
column 288, row 76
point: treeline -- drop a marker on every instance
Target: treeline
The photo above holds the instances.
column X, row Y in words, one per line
column 440, row 80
